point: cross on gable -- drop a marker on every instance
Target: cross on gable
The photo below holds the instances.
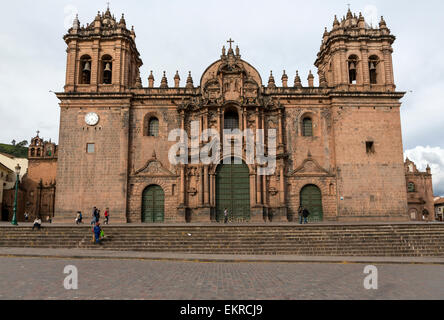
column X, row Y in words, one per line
column 230, row 42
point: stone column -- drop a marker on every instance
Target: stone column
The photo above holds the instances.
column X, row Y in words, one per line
column 344, row 67
column 96, row 65
column 244, row 126
column 282, row 187
column 212, row 189
column 364, row 67
column 201, row 186
column 120, row 70
column 200, row 127
column 205, row 121
column 183, row 190
column 221, row 123
column 388, row 67
column 258, row 188
column 73, row 67
column 206, row 187
column 280, row 128
column 263, row 122
column 253, row 200
column 182, row 185
column 264, row 190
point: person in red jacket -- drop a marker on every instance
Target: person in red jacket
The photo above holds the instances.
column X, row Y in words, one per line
column 106, row 215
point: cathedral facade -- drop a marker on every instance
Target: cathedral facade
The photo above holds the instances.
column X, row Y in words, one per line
column 338, row 146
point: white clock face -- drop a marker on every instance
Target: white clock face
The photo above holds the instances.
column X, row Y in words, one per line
column 92, row 118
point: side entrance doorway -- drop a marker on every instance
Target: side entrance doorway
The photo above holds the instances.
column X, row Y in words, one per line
column 153, row 199
column 311, row 198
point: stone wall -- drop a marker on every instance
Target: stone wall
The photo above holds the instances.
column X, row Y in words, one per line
column 371, row 184
column 85, row 180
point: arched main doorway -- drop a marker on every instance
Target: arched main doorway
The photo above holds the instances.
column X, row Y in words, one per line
column 311, row 198
column 233, row 191
column 153, row 199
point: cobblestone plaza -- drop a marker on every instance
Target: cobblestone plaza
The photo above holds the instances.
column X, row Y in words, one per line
column 43, row 278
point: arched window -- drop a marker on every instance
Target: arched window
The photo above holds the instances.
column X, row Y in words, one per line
column 32, row 152
column 411, row 187
column 352, row 69
column 307, row 127
column 372, row 67
column 107, row 69
column 153, row 127
column 85, row 70
column 231, row 120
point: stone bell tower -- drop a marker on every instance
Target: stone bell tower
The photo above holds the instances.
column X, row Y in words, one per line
column 102, row 68
column 101, row 56
column 355, row 56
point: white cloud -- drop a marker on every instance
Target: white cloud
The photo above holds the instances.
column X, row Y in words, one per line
column 434, row 157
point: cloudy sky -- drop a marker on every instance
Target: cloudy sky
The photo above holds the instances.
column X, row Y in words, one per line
column 188, row 35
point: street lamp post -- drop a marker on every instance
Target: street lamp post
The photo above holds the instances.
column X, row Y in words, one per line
column 14, row 217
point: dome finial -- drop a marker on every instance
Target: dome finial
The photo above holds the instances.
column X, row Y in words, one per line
column 382, row 23
column 151, row 80
column 335, row 22
column 189, row 84
column 349, row 13
column 310, row 79
column 271, row 83
column 76, row 22
column 297, row 80
column 177, row 79
column 164, row 81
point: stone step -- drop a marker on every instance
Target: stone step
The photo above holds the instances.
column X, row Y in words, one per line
column 359, row 240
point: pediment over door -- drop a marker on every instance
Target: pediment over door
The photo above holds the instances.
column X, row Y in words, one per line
column 154, row 167
column 310, row 167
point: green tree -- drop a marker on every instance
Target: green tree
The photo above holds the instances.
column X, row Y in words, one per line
column 23, row 143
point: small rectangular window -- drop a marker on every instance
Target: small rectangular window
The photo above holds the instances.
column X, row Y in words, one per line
column 90, row 148
column 370, row 147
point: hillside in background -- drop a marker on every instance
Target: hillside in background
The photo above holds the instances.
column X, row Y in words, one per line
column 16, row 151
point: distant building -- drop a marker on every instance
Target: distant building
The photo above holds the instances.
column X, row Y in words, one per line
column 36, row 194
column 439, row 208
column 419, row 192
column 7, row 180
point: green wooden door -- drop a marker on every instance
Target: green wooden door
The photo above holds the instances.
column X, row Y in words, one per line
column 311, row 199
column 233, row 192
column 153, row 204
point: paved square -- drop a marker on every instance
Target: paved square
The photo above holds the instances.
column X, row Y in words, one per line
column 42, row 278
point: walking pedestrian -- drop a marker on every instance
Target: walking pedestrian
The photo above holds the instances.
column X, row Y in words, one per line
column 300, row 213
column 79, row 217
column 305, row 213
column 226, row 215
column 106, row 215
column 94, row 216
column 96, row 231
